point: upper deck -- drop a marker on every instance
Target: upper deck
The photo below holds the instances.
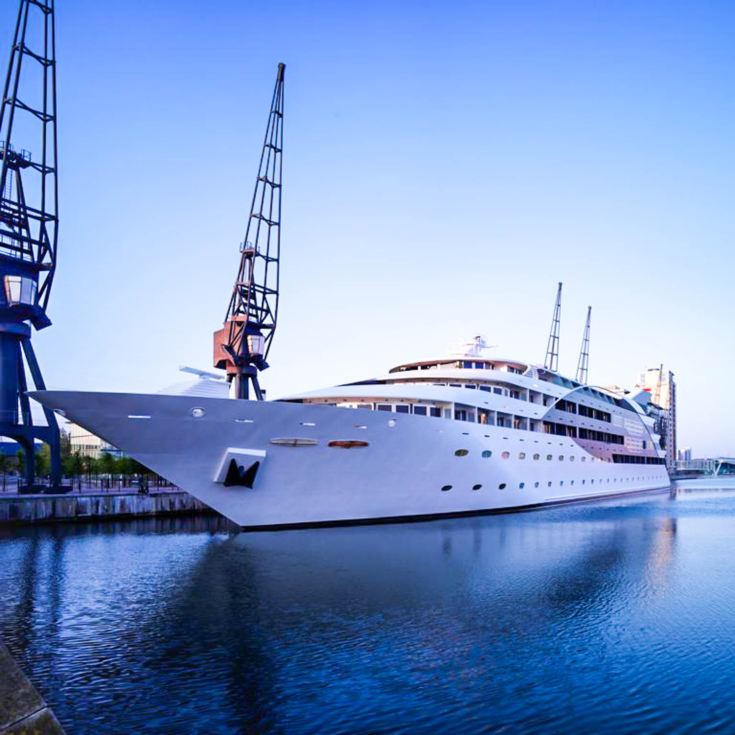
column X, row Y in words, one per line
column 505, row 393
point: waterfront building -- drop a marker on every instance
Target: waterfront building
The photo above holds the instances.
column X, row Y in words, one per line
column 659, row 383
column 88, row 444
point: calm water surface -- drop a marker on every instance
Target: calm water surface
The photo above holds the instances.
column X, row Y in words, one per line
column 609, row 617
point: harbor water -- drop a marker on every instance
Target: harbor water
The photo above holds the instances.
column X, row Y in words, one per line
column 607, row 617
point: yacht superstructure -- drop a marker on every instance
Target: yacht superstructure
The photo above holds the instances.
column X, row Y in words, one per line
column 468, row 433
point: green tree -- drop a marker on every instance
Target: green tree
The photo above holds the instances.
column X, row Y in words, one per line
column 4, row 467
column 43, row 461
column 73, row 466
column 20, row 458
column 108, row 466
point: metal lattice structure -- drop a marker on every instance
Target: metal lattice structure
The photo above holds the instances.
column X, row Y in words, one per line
column 583, row 364
column 242, row 345
column 28, row 223
column 552, row 347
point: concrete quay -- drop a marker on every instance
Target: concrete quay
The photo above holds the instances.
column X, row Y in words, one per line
column 86, row 506
column 22, row 709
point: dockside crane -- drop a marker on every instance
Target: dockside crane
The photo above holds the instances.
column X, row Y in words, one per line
column 242, row 345
column 583, row 364
column 29, row 222
column 552, row 346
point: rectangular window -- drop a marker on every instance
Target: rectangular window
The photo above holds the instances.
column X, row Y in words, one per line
column 499, row 391
column 384, row 407
column 402, row 409
column 435, row 412
column 419, row 410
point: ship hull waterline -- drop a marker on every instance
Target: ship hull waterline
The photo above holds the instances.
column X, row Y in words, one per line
column 323, row 465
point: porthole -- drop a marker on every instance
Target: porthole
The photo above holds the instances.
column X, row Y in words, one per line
column 535, row 484
column 505, row 455
column 572, row 482
column 592, row 482
column 197, row 412
column 502, row 486
column 561, row 483
column 521, row 485
column 446, row 487
column 537, row 456
column 549, row 457
column 521, row 455
column 487, row 453
column 584, row 459
column 549, row 483
column 476, row 487
column 461, row 453
column 571, row 458
column 583, row 481
column 561, row 457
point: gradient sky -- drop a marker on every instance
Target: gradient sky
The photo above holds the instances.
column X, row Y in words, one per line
column 445, row 165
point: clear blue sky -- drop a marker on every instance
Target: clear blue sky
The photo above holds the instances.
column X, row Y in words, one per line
column 445, row 165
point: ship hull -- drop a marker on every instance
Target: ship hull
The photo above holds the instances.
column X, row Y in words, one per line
column 315, row 464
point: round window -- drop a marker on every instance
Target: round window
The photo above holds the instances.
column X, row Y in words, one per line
column 487, row 453
column 461, row 453
column 197, row 412
column 505, row 455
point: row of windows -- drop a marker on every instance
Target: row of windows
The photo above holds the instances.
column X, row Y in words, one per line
column 487, row 453
column 500, row 419
column 404, row 408
column 522, row 485
column 582, row 410
column 631, row 459
column 466, row 364
column 601, row 436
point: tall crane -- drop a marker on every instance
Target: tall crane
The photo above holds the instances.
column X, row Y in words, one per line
column 242, row 345
column 583, row 364
column 552, row 347
column 29, row 222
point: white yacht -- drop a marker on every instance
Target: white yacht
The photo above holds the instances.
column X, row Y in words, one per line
column 467, row 433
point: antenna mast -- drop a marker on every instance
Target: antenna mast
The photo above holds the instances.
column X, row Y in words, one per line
column 242, row 345
column 552, row 347
column 584, row 353
column 28, row 224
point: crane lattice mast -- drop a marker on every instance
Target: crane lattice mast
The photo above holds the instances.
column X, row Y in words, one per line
column 242, row 345
column 583, row 363
column 28, row 223
column 552, row 347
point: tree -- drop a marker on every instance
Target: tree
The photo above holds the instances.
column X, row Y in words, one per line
column 43, row 460
column 20, row 457
column 108, row 465
column 4, row 467
column 73, row 466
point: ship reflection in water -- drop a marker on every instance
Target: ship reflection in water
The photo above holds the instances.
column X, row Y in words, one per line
column 606, row 617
